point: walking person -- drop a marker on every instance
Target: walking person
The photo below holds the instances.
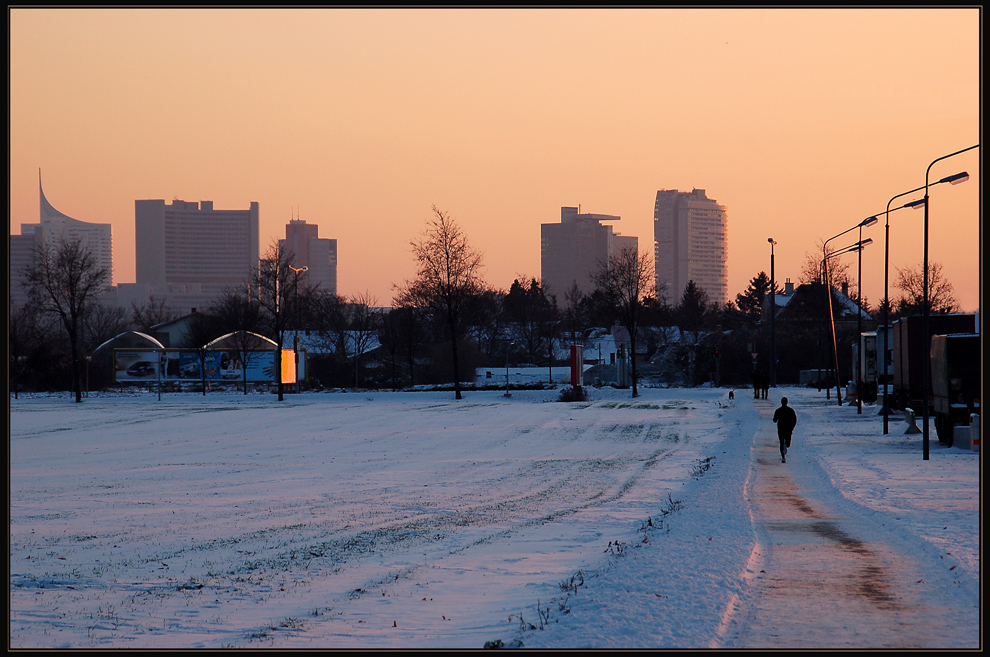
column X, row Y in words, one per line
column 786, row 419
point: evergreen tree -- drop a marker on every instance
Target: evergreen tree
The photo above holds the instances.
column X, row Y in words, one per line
column 750, row 302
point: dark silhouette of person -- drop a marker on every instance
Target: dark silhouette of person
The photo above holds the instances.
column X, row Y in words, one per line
column 786, row 419
column 765, row 385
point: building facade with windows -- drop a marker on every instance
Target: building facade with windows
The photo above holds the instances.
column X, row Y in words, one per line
column 690, row 233
column 573, row 250
column 188, row 252
column 318, row 255
column 53, row 227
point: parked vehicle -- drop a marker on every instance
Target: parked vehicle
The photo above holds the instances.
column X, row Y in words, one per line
column 864, row 367
column 955, row 362
column 142, row 368
column 912, row 349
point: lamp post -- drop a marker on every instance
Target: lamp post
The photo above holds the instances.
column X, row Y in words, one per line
column 869, row 221
column 773, row 320
column 828, row 293
column 507, row 368
column 954, row 179
column 852, row 248
column 295, row 340
column 924, row 330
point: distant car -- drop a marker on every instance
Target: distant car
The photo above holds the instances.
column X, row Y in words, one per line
column 141, row 368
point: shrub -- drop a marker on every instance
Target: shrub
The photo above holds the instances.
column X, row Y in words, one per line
column 573, row 394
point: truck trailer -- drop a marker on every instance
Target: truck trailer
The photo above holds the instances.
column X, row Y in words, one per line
column 911, row 349
column 955, row 381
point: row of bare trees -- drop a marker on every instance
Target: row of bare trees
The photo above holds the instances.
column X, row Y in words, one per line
column 447, row 302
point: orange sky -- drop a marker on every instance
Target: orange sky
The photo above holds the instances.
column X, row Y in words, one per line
column 802, row 122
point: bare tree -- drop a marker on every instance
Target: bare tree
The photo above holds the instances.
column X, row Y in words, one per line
column 941, row 295
column 412, row 337
column 65, row 277
column 201, row 330
column 625, row 278
column 275, row 288
column 364, row 322
column 550, row 328
column 152, row 312
column 838, row 271
column 448, row 274
column 27, row 333
column 102, row 322
column 329, row 317
column 388, row 337
column 235, row 313
column 572, row 312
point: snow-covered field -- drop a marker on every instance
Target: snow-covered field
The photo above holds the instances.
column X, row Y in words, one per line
column 410, row 520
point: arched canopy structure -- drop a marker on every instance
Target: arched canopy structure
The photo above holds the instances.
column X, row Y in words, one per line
column 130, row 340
column 241, row 339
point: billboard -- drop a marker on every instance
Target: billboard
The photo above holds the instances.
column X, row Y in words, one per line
column 145, row 365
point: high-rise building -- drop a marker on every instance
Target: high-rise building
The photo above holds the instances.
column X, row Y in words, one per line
column 187, row 252
column 573, row 250
column 691, row 244
column 319, row 256
column 20, row 257
column 52, row 228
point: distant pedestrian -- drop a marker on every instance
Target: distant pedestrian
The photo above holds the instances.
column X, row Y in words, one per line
column 785, row 419
column 765, row 383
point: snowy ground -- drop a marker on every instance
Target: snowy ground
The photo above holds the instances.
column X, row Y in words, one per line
column 410, row 520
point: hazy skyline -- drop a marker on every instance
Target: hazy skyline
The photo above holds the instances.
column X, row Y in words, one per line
column 801, row 121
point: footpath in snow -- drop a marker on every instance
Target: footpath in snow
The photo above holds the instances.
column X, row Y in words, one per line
column 410, row 520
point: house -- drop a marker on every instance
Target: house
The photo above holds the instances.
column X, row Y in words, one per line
column 808, row 302
column 173, row 332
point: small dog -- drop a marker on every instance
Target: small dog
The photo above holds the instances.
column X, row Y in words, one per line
column 732, row 394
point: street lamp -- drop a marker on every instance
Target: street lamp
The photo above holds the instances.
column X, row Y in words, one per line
column 773, row 320
column 954, row 179
column 924, row 330
column 869, row 221
column 852, row 248
column 295, row 340
column 511, row 344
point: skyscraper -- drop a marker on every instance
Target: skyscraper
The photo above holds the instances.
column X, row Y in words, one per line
column 20, row 257
column 691, row 244
column 96, row 238
column 572, row 250
column 188, row 252
column 53, row 227
column 318, row 255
